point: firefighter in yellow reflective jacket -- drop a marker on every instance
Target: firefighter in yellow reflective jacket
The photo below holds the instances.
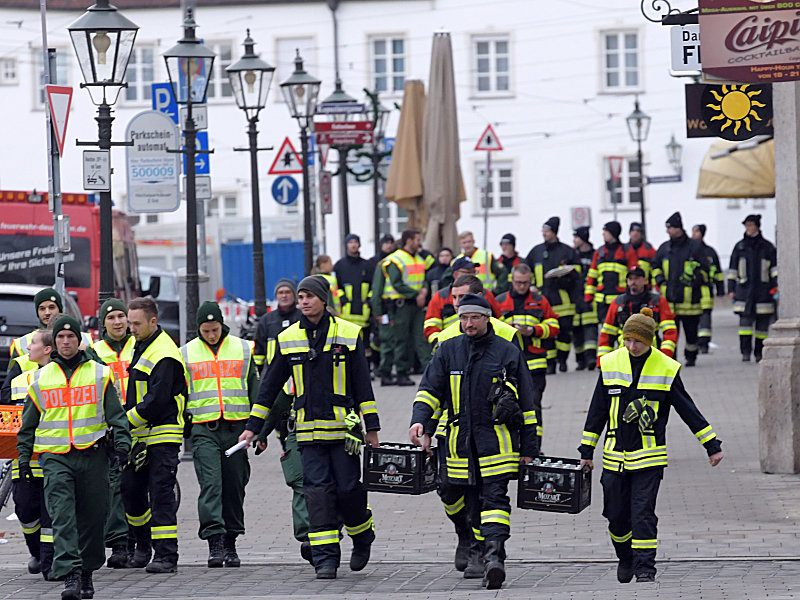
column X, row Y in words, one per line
column 155, row 403
column 325, row 357
column 28, row 494
column 636, row 388
column 223, row 384
column 73, row 404
column 324, row 268
column 484, row 383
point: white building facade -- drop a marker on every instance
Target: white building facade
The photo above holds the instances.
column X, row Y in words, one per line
column 556, row 80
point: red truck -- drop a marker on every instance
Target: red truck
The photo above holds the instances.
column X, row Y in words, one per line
column 26, row 246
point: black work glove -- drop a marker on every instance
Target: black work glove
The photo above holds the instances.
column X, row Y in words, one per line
column 260, row 438
column 121, row 458
column 138, row 455
column 633, row 410
column 647, row 418
column 507, row 411
column 25, row 472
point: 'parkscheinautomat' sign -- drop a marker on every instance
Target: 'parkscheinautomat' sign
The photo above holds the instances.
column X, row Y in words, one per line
column 750, row 41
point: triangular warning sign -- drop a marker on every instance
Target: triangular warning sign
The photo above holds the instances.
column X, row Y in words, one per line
column 287, row 161
column 323, row 153
column 60, row 99
column 488, row 140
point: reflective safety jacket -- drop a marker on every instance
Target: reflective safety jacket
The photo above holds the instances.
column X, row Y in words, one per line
column 71, row 410
column 335, row 296
column 563, row 293
column 716, row 277
column 19, row 393
column 658, row 383
column 626, row 305
column 266, row 342
column 488, row 269
column 669, row 263
column 354, row 281
column 217, row 382
column 645, row 253
column 155, row 412
column 509, row 263
column 118, row 362
column 608, row 273
column 532, row 310
column 19, row 349
column 331, row 377
column 441, row 313
column 459, row 378
column 411, row 275
column 753, row 276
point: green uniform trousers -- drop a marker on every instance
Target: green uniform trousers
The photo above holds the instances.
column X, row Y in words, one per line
column 220, row 505
column 405, row 337
column 76, row 495
column 292, row 465
column 116, row 523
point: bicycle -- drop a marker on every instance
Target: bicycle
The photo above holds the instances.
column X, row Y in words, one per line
column 5, row 482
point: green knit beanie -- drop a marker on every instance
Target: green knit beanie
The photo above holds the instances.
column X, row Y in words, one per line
column 48, row 294
column 209, row 311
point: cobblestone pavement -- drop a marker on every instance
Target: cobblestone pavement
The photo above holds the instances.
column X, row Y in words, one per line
column 729, row 532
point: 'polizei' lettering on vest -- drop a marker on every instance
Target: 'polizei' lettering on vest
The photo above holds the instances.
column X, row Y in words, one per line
column 71, row 396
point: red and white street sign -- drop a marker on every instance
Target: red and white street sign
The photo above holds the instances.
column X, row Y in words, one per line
column 59, row 98
column 344, row 133
column 615, row 166
column 488, row 140
column 287, row 161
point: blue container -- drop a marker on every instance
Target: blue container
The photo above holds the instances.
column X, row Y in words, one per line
column 283, row 259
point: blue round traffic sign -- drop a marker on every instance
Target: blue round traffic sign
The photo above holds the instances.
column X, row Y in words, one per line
column 285, row 190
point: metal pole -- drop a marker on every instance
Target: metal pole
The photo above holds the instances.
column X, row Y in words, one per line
column 192, row 292
column 343, row 197
column 376, row 197
column 104, row 120
column 307, row 240
column 641, row 185
column 259, row 286
column 202, row 257
column 486, row 200
column 53, row 170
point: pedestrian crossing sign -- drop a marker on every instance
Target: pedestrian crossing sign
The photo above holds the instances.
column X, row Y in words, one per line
column 287, row 161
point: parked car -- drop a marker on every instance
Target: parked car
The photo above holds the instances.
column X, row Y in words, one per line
column 18, row 316
column 166, row 295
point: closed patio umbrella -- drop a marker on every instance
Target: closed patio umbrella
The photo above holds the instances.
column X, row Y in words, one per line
column 738, row 170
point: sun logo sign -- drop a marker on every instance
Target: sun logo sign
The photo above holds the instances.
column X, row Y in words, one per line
column 737, row 111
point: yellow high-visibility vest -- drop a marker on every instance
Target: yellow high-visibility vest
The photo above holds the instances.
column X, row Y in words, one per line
column 118, row 363
column 412, row 268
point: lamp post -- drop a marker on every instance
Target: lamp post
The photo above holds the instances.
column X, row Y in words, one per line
column 103, row 42
column 674, row 154
column 638, row 127
column 300, row 92
column 378, row 114
column 189, row 65
column 250, row 79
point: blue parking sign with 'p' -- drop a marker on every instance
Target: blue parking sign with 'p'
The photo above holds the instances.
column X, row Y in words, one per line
column 164, row 101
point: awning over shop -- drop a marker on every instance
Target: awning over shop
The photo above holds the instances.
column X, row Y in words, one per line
column 738, row 170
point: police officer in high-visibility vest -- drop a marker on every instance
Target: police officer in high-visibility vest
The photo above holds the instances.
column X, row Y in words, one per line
column 484, row 383
column 28, row 494
column 73, row 404
column 223, row 384
column 115, row 349
column 281, row 418
column 354, row 279
column 155, row 404
column 405, row 296
column 325, row 356
column 48, row 305
column 636, row 388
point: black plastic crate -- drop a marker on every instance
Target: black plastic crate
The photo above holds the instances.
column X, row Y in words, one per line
column 555, row 485
column 399, row 469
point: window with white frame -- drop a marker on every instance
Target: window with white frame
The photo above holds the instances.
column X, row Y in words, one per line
column 491, row 65
column 61, row 75
column 8, row 71
column 285, row 52
column 621, row 68
column 626, row 189
column 140, row 75
column 219, row 86
column 388, row 62
column 222, row 205
column 498, row 191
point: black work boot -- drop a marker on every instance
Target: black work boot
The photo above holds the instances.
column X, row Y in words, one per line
column 87, row 587
column 216, row 551
column 474, row 568
column 326, row 572
column 231, row 557
column 404, row 380
column 387, row 380
column 758, row 352
column 465, row 539
column 361, row 550
column 624, row 571
column 581, row 362
column 72, row 587
column 494, row 571
column 142, row 548
column 305, row 552
column 590, row 358
column 34, row 565
column 162, row 565
column 119, row 557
